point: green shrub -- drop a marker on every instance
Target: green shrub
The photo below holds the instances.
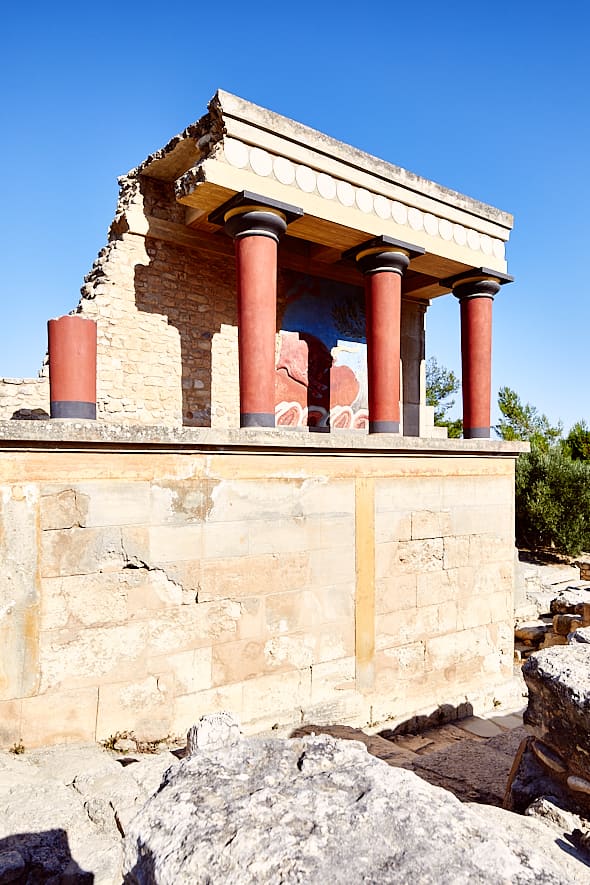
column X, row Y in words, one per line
column 552, row 502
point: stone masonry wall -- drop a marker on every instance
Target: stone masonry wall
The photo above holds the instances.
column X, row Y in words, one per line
column 149, row 298
column 141, row 590
column 166, row 317
column 26, row 398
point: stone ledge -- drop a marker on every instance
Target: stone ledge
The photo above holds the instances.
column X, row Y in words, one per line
column 75, row 434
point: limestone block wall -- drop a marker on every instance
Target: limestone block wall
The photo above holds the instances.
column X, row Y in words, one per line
column 156, row 304
column 142, row 589
column 26, row 398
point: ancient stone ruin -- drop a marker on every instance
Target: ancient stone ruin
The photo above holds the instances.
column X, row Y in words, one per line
column 240, row 500
column 553, row 764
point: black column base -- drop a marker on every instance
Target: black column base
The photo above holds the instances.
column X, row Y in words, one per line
column 72, row 409
column 383, row 426
column 476, row 433
column 257, row 419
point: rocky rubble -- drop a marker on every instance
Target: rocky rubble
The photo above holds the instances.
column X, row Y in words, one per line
column 316, row 809
column 307, row 809
column 554, row 761
column 560, row 607
column 63, row 811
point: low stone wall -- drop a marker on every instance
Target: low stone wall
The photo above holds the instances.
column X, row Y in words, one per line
column 152, row 576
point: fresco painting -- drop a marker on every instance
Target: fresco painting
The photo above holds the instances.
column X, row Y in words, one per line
column 321, row 370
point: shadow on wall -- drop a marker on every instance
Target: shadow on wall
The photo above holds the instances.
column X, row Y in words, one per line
column 194, row 289
column 443, row 715
column 321, row 371
column 39, row 857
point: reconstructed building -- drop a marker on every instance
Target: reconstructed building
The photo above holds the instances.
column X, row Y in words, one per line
column 241, row 500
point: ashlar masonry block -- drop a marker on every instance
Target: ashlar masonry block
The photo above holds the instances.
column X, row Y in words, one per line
column 19, row 590
column 144, row 707
column 81, row 551
column 430, row 524
column 59, row 717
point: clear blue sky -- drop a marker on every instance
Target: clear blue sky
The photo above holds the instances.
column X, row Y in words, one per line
column 491, row 99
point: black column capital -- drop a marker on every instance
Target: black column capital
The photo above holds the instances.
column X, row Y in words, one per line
column 247, row 214
column 481, row 282
column 383, row 253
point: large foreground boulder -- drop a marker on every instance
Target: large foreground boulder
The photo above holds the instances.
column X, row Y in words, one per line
column 314, row 810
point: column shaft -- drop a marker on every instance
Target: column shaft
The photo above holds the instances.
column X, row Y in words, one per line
column 256, row 225
column 383, row 260
column 72, row 367
column 256, row 260
column 476, row 359
column 383, row 310
column 475, row 290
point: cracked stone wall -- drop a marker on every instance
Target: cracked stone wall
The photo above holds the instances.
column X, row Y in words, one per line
column 142, row 590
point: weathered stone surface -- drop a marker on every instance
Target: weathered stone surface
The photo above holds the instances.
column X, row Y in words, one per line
column 44, row 821
column 63, row 810
column 558, row 711
column 476, row 772
column 19, row 590
column 555, row 836
column 531, row 631
column 156, row 622
column 213, row 731
column 308, row 810
column 571, row 600
column 581, row 634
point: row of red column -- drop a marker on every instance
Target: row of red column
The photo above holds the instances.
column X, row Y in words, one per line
column 256, row 225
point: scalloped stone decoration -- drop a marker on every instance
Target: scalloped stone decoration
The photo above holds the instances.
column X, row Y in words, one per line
column 264, row 164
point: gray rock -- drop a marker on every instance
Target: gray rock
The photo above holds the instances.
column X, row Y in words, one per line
column 148, row 771
column 581, row 634
column 571, row 600
column 212, row 731
column 63, row 809
column 12, row 866
column 554, row 837
column 564, row 821
column 46, row 823
column 63, row 762
column 558, row 709
column 320, row 810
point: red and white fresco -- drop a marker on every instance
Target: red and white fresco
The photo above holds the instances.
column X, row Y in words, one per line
column 321, row 373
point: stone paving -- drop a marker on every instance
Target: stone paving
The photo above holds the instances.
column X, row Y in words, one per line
column 471, row 758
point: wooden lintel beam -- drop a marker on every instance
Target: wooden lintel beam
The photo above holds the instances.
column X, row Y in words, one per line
column 292, row 257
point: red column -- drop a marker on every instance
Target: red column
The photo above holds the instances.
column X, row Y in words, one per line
column 256, row 261
column 475, row 298
column 383, row 261
column 72, row 367
column 256, row 224
column 383, row 311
